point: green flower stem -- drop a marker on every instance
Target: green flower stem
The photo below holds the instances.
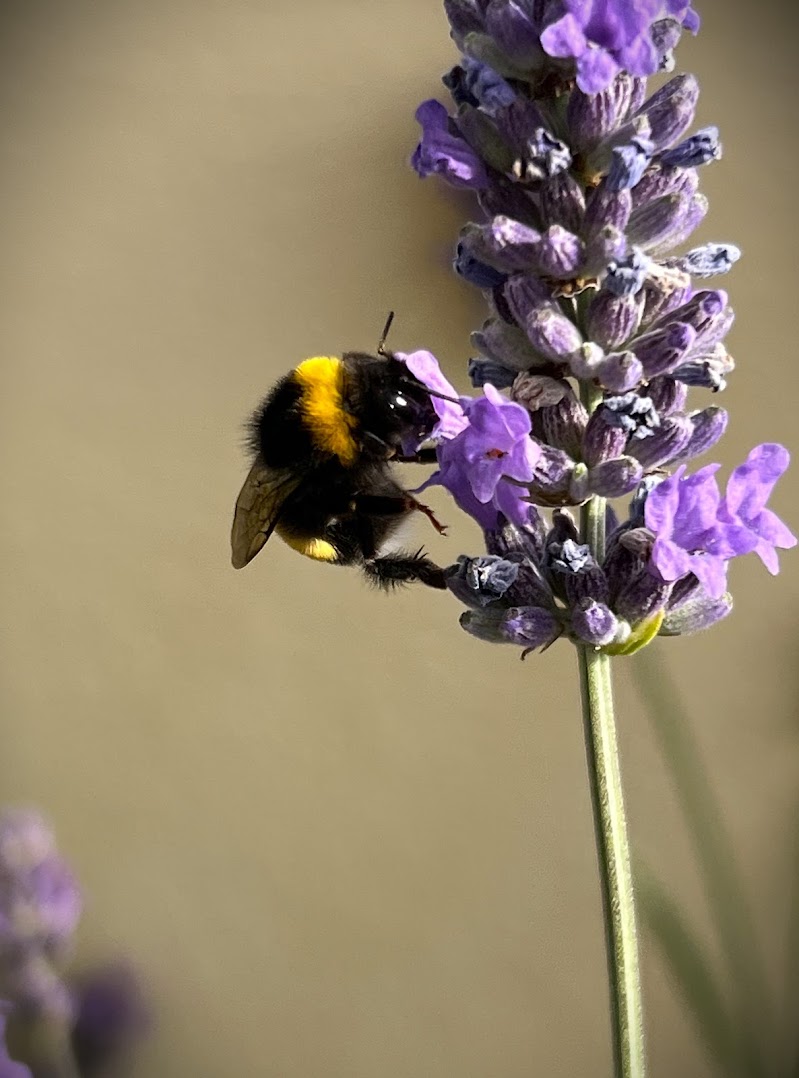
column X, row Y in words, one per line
column 610, row 825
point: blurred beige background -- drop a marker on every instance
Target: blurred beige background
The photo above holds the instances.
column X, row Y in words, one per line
column 340, row 838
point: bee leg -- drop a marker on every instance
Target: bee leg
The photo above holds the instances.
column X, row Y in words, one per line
column 392, row 570
column 428, row 512
column 396, row 505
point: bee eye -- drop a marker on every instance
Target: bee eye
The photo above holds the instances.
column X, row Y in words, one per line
column 399, row 402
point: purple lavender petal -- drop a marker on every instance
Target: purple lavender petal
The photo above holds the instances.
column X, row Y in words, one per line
column 748, row 489
column 424, row 366
column 439, row 151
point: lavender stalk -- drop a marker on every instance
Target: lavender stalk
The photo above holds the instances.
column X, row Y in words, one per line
column 588, row 192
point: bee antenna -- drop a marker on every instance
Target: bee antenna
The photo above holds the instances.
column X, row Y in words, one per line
column 431, row 392
column 381, row 349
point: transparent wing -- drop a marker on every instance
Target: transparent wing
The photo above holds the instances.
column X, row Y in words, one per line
column 258, row 509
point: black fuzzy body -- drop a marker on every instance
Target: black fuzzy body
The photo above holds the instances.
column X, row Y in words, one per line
column 355, row 507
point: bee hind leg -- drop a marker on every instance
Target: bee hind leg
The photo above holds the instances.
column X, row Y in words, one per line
column 392, row 570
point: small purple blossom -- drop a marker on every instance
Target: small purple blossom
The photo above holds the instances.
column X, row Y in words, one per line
column 484, row 465
column 748, row 489
column 443, row 152
column 696, row 531
column 607, row 36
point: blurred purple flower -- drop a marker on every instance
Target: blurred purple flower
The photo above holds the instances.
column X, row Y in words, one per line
column 40, row 902
column 443, row 152
column 112, row 1015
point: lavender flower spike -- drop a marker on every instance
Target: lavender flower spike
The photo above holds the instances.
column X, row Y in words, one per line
column 598, row 331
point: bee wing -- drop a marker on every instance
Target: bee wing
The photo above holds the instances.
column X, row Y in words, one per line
column 258, row 509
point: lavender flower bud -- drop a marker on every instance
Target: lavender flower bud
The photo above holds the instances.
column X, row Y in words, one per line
column 563, row 202
column 628, row 164
column 706, row 371
column 576, row 573
column 476, row 272
column 513, row 29
column 655, row 221
column 530, row 589
column 602, row 440
column 665, row 445
column 602, row 248
column 488, row 370
column 612, row 319
column 641, row 597
column 667, row 395
column 506, row 345
column 561, row 424
column 615, row 478
column 660, row 180
column 474, row 83
column 528, row 627
column 684, row 225
column 670, row 110
column 606, row 207
column 663, row 349
column 508, row 244
column 531, row 627
column 483, row 580
column 552, row 334
column 620, row 372
column 591, row 117
column 664, row 292
column 524, row 293
column 707, row 427
column 697, row 150
column 695, row 614
column 626, row 276
column 465, row 16
column 559, row 253
column 539, row 391
column 551, row 477
column 708, row 313
column 513, row 541
column 594, row 622
column 711, row 259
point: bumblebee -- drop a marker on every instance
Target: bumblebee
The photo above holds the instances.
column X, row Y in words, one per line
column 323, row 441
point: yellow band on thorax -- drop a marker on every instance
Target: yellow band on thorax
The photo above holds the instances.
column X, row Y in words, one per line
column 322, row 405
